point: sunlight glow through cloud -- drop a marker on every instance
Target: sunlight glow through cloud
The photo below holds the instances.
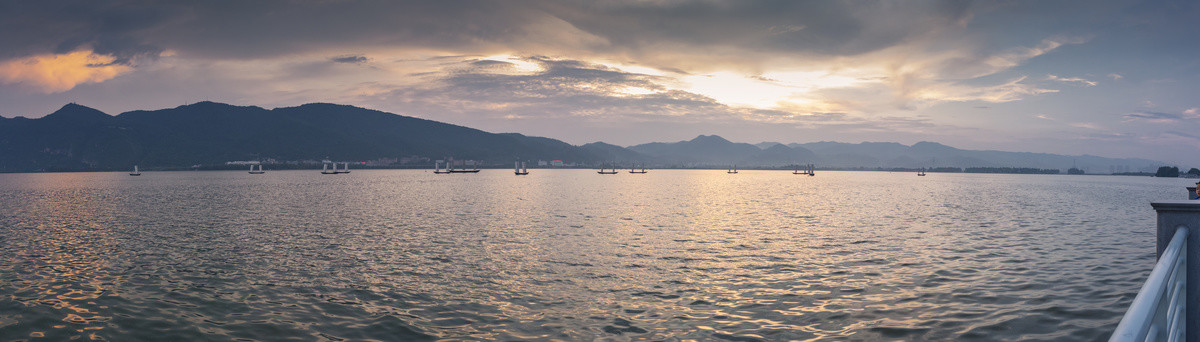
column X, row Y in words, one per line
column 812, row 80
column 739, row 90
column 518, row 65
column 52, row 73
column 635, row 69
column 635, row 91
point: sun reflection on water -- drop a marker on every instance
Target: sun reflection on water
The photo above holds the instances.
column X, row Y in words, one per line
column 66, row 262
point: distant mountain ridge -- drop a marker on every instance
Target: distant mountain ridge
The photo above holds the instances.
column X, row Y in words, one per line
column 927, row 154
column 709, row 150
column 79, row 138
column 208, row 133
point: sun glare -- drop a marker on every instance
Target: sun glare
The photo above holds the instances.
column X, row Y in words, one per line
column 768, row 90
column 739, row 90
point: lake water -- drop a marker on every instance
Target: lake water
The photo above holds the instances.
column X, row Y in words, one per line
column 572, row 255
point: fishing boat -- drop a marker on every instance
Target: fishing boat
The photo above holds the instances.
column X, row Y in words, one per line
column 808, row 170
column 473, row 164
column 607, row 171
column 256, row 172
column 437, row 166
column 331, row 168
column 637, row 169
column 732, row 169
column 921, row 173
column 520, row 169
column 135, row 171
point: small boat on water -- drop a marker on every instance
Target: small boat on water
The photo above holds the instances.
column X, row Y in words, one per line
column 808, row 170
column 732, row 169
column 520, row 169
column 135, row 171
column 637, row 169
column 474, row 167
column 258, row 172
column 437, row 166
column 327, row 170
column 921, row 173
column 607, row 171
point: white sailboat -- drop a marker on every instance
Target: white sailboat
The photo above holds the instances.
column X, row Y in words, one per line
column 450, row 164
column 258, row 172
column 326, row 171
column 135, row 171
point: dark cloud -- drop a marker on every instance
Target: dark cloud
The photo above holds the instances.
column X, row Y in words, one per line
column 246, row 29
column 107, row 27
column 256, row 29
column 778, row 25
column 489, row 63
column 657, row 32
column 351, row 59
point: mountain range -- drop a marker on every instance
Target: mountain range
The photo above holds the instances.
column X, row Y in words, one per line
column 209, row 134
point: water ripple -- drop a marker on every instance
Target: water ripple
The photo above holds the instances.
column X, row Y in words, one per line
column 565, row 255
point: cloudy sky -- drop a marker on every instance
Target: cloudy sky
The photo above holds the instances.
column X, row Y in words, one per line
column 1109, row 78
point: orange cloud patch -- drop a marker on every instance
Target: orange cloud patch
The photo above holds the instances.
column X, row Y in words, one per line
column 52, row 73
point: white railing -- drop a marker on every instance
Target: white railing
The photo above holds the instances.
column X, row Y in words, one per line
column 1157, row 313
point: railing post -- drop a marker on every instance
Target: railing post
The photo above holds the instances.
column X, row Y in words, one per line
column 1171, row 216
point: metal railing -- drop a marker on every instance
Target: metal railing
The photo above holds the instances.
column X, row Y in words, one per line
column 1158, row 313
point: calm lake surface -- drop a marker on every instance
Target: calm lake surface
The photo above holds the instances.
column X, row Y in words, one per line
column 572, row 255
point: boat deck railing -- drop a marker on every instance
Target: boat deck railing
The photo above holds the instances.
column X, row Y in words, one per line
column 1171, row 294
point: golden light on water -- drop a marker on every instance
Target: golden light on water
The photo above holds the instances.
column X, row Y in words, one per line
column 71, row 276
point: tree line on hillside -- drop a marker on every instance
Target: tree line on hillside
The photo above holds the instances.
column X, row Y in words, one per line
column 1173, row 171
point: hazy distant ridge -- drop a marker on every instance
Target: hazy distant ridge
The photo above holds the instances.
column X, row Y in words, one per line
column 931, row 154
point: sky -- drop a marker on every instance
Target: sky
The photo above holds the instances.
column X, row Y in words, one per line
column 1108, row 78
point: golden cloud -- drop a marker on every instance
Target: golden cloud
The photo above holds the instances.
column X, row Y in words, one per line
column 52, row 73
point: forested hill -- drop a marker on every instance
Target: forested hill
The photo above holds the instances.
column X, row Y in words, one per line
column 208, row 133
